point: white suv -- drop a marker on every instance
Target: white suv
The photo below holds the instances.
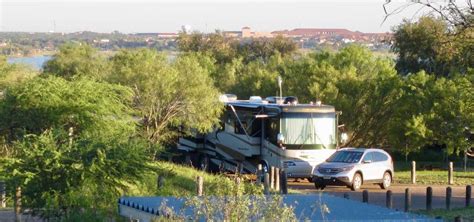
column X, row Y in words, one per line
column 353, row 167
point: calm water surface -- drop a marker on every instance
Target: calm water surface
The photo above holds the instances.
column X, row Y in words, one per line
column 33, row 61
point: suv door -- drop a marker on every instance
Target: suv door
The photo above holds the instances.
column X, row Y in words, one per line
column 368, row 168
column 380, row 164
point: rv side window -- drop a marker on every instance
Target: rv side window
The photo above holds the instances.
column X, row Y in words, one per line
column 272, row 129
column 239, row 129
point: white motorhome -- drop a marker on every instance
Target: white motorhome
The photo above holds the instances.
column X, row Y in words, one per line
column 275, row 132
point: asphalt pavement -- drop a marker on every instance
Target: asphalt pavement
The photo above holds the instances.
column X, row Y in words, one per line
column 377, row 195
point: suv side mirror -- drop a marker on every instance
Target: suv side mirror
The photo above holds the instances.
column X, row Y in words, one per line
column 367, row 161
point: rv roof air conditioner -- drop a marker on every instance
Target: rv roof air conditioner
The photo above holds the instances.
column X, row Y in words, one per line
column 227, row 98
column 255, row 99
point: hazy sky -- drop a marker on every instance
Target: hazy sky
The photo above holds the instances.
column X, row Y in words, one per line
column 205, row 15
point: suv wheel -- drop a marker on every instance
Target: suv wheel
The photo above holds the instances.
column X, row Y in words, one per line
column 387, row 180
column 356, row 182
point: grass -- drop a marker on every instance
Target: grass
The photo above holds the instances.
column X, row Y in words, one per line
column 449, row 215
column 434, row 177
column 180, row 181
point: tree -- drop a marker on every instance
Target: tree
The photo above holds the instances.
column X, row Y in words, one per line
column 423, row 45
column 74, row 143
column 85, row 107
column 76, row 60
column 362, row 86
column 168, row 95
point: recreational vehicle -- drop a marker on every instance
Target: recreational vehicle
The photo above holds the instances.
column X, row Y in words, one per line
column 276, row 131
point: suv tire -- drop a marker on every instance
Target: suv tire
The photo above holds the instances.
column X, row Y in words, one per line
column 356, row 182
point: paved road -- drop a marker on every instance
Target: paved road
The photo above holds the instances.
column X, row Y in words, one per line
column 378, row 196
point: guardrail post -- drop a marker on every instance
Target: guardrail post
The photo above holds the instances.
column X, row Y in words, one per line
column 18, row 204
column 450, row 174
column 388, row 201
column 266, row 183
column 413, row 172
column 365, row 196
column 259, row 174
column 407, row 200
column 468, row 195
column 3, row 194
column 200, row 185
column 284, row 182
column 277, row 179
column 272, row 177
column 449, row 194
column 429, row 198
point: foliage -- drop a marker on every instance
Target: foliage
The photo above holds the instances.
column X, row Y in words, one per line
column 362, row 86
column 11, row 74
column 59, row 177
column 224, row 50
column 54, row 103
column 428, row 45
column 168, row 95
column 76, row 59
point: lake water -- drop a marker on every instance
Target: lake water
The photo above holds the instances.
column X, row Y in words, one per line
column 33, row 61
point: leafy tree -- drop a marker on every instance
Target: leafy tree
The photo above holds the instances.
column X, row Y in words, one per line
column 168, row 95
column 11, row 74
column 76, row 59
column 362, row 86
column 74, row 143
column 428, row 45
column 84, row 107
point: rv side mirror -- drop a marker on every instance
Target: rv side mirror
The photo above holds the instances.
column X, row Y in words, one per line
column 280, row 138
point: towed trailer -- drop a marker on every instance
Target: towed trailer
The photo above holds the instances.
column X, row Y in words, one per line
column 277, row 131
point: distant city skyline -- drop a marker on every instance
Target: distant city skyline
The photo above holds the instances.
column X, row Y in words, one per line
column 202, row 15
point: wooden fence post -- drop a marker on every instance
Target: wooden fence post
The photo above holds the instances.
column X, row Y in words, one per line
column 365, row 196
column 468, row 195
column 266, row 183
column 413, row 172
column 429, row 198
column 407, row 200
column 283, row 182
column 450, row 174
column 449, row 194
column 277, row 179
column 388, row 201
column 3, row 194
column 272, row 177
column 18, row 204
column 200, row 185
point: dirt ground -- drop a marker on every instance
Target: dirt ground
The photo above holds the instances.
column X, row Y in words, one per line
column 378, row 196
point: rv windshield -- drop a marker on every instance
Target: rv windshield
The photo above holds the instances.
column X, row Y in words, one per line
column 309, row 128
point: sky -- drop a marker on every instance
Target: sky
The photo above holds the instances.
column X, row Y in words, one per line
column 133, row 16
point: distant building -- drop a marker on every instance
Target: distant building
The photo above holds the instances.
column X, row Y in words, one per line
column 246, row 32
column 167, row 35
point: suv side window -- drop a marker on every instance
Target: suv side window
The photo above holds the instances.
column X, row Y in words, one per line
column 378, row 157
column 368, row 156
